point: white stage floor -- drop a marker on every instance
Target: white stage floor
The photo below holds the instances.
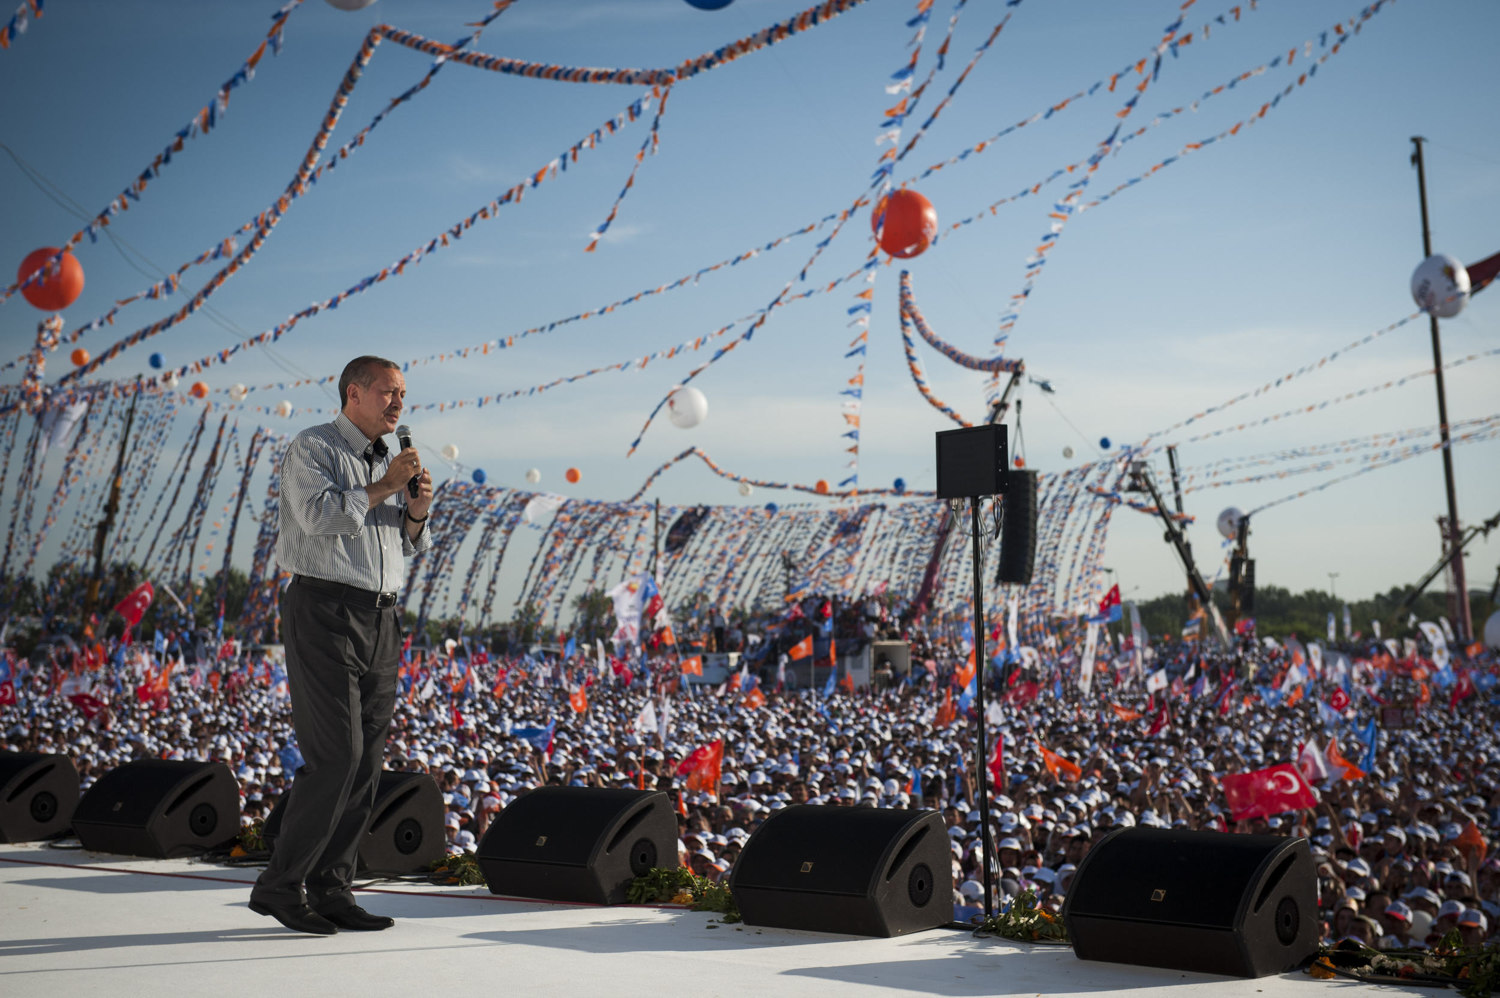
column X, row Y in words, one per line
column 75, row 923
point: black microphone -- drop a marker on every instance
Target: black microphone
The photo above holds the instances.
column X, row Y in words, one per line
column 403, row 437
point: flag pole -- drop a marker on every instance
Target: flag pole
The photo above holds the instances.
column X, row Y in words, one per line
column 1452, row 532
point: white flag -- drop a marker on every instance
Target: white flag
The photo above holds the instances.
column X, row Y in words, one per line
column 1086, row 667
column 645, row 721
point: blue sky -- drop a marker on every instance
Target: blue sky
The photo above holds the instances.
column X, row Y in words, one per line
column 1216, row 275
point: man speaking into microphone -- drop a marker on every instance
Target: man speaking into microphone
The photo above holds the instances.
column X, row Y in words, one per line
column 351, row 512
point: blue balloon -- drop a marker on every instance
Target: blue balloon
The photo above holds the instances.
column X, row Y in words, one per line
column 157, row 360
column 710, row 4
column 899, row 485
column 771, row 507
column 1104, row 443
column 478, row 476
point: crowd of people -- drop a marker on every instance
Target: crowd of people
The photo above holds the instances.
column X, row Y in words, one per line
column 1404, row 851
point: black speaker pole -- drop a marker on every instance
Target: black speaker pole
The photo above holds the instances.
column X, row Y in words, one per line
column 980, row 753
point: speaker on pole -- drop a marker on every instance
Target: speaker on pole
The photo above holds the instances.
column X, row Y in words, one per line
column 1018, row 529
column 578, row 843
column 1240, row 905
column 864, row 871
column 405, row 832
column 38, row 794
column 160, row 808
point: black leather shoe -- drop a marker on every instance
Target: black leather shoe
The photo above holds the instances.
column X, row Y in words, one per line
column 297, row 917
column 356, row 919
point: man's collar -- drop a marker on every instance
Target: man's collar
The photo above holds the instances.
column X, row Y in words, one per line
column 354, row 436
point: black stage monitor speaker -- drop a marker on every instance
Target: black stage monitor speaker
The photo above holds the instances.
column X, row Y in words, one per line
column 578, row 843
column 405, row 833
column 160, row 808
column 865, row 871
column 1241, row 905
column 971, row 462
column 1018, row 529
column 37, row 795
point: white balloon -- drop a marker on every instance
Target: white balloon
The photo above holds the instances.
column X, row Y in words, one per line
column 1229, row 522
column 1440, row 286
column 284, row 409
column 746, row 488
column 533, row 475
column 1067, row 452
column 450, row 453
column 687, row 407
column 238, row 392
column 1492, row 630
column 350, row 4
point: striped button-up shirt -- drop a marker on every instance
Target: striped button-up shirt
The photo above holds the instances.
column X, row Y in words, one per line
column 328, row 529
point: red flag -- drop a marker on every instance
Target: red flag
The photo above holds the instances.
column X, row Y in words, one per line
column 754, row 698
column 1059, row 767
column 1463, row 688
column 735, row 681
column 134, row 606
column 458, row 719
column 1338, row 699
column 89, row 704
column 7, row 693
column 1266, row 792
column 802, row 649
column 1160, row 721
column 702, row 766
column 997, row 763
column 1110, row 601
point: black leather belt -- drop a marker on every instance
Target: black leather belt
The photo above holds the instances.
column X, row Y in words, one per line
column 349, row 594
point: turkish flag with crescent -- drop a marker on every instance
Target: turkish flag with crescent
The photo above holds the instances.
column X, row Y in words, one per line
column 1266, row 791
column 133, row 606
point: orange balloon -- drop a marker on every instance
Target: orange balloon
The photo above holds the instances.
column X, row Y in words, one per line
column 821, row 488
column 80, row 357
column 572, row 475
column 909, row 226
column 199, row 390
column 57, row 290
column 1020, row 462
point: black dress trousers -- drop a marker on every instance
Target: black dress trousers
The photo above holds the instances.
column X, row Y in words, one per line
column 342, row 659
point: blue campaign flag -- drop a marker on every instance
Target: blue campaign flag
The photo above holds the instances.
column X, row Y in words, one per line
column 291, row 758
column 571, row 648
column 159, row 644
column 1371, row 738
column 538, row 738
column 1271, row 695
column 832, row 680
column 1331, row 718
column 916, row 786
